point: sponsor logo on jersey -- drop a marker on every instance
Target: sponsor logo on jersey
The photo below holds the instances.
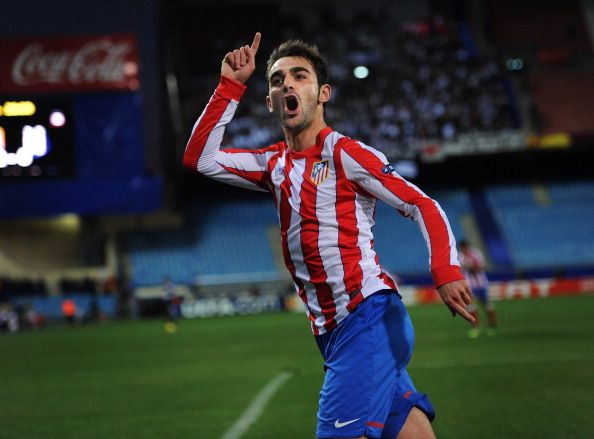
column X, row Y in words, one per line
column 320, row 172
column 388, row 169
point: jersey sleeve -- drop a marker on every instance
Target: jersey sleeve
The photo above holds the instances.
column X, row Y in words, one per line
column 239, row 167
column 369, row 170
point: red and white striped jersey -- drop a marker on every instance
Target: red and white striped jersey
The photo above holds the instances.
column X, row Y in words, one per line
column 473, row 267
column 325, row 197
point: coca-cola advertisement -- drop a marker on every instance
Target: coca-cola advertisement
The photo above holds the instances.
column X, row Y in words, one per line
column 74, row 63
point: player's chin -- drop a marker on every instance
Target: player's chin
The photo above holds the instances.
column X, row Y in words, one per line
column 292, row 121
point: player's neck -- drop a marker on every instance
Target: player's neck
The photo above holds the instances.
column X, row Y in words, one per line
column 306, row 137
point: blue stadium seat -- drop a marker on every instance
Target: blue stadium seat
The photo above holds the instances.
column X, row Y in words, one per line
column 399, row 242
column 231, row 238
column 228, row 238
column 555, row 235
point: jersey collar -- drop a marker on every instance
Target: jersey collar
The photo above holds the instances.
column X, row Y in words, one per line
column 314, row 149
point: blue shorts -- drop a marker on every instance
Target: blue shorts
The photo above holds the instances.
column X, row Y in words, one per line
column 482, row 294
column 367, row 390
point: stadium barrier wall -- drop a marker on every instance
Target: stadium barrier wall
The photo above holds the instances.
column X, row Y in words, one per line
column 225, row 305
column 515, row 289
column 228, row 306
column 51, row 307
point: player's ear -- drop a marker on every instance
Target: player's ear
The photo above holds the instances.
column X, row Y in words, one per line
column 325, row 93
column 269, row 103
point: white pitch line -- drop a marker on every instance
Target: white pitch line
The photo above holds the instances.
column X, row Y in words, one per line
column 254, row 410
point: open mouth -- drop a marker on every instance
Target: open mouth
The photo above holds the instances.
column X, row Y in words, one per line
column 291, row 104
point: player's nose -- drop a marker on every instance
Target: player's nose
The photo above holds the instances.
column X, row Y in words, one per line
column 287, row 84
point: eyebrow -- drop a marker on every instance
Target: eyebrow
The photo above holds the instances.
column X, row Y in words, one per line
column 292, row 70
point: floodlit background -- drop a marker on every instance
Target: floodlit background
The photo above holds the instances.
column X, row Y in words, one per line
column 486, row 105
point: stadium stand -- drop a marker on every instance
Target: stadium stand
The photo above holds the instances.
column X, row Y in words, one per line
column 568, row 89
column 399, row 242
column 426, row 82
column 156, row 255
column 553, row 232
column 227, row 240
column 231, row 241
column 551, row 27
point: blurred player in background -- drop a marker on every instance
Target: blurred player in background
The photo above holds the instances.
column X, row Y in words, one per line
column 69, row 310
column 473, row 267
column 325, row 186
column 173, row 303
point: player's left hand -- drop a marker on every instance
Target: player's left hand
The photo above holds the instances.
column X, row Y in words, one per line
column 457, row 296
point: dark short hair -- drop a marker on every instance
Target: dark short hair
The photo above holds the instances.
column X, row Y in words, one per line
column 301, row 49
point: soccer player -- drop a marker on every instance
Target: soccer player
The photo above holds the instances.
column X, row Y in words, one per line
column 472, row 262
column 325, row 186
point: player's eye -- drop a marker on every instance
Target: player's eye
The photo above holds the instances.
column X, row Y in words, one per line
column 276, row 81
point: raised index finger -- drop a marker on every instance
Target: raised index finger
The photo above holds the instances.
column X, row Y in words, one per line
column 256, row 43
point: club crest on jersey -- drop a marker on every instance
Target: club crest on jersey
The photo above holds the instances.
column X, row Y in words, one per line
column 319, row 172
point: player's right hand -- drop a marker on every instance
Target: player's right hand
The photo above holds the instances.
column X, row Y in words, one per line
column 457, row 295
column 241, row 63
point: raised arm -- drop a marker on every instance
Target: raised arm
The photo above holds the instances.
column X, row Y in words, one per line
column 245, row 168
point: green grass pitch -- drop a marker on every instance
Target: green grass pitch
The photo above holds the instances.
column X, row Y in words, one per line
column 132, row 379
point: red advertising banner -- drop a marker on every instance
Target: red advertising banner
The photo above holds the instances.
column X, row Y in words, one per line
column 69, row 64
column 520, row 289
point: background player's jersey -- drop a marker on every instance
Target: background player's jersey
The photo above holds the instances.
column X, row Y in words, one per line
column 325, row 197
column 473, row 267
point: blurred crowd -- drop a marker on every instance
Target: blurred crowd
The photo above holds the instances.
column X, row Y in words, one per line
column 420, row 83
